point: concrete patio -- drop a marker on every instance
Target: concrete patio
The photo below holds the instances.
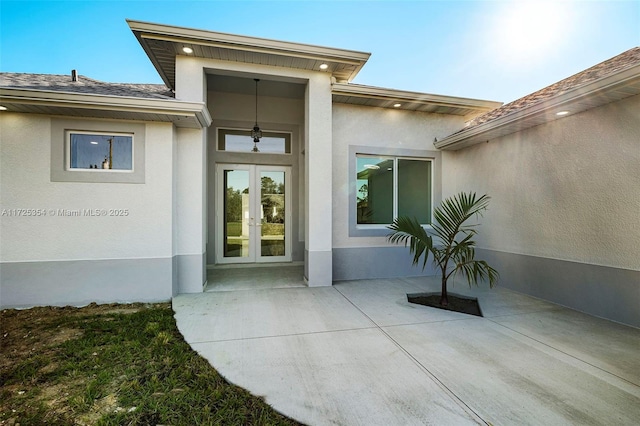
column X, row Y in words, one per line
column 358, row 353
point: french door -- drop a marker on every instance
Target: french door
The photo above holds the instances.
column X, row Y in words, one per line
column 253, row 213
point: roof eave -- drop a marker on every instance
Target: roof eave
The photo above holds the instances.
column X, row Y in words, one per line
column 145, row 31
column 181, row 113
column 480, row 133
column 391, row 96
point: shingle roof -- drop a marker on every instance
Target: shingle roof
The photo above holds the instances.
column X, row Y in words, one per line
column 616, row 64
column 86, row 85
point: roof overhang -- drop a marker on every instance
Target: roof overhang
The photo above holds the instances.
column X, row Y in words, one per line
column 182, row 114
column 412, row 101
column 610, row 88
column 163, row 43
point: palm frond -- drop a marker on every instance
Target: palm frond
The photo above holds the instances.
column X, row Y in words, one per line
column 454, row 211
column 475, row 271
column 409, row 232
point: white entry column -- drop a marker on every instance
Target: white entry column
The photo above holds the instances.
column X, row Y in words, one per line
column 190, row 175
column 318, row 177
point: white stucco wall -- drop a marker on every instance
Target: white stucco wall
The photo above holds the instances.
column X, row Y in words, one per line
column 189, row 198
column 191, row 182
column 318, row 163
column 567, row 190
column 25, row 161
column 377, row 127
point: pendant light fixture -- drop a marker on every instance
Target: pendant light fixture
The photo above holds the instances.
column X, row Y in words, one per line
column 256, row 133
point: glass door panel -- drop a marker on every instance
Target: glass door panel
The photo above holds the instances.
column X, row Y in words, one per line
column 273, row 213
column 253, row 213
column 236, row 213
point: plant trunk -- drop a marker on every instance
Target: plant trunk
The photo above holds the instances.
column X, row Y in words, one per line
column 444, row 299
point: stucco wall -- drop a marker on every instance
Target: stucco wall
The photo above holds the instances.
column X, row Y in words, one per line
column 567, row 191
column 140, row 227
column 399, row 131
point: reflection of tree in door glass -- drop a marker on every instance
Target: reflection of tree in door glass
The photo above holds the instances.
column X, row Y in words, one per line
column 235, row 204
column 273, row 213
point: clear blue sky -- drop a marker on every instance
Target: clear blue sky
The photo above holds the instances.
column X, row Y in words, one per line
column 496, row 50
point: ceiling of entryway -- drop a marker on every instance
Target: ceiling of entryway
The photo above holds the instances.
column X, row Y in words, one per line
column 247, row 86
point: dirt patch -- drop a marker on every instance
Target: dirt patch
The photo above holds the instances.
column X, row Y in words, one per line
column 35, row 335
column 25, row 331
column 108, row 404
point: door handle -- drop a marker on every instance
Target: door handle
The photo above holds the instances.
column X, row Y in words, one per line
column 250, row 223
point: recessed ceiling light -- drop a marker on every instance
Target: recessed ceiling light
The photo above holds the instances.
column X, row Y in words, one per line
column 3, row 108
column 94, row 143
column 562, row 113
column 324, row 66
column 187, row 50
column 397, row 105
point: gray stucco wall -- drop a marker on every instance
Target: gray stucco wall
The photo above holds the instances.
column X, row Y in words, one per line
column 565, row 198
column 80, row 282
column 606, row 292
column 357, row 263
column 65, row 255
column 360, row 253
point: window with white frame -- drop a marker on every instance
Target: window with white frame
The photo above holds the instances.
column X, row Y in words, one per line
column 389, row 186
column 100, row 152
column 233, row 140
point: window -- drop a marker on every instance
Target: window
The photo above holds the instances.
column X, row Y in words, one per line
column 388, row 187
column 241, row 141
column 100, row 152
column 74, row 158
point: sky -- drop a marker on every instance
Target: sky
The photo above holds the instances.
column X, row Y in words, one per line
column 494, row 50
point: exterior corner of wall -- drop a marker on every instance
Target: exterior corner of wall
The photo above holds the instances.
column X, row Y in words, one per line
column 174, row 276
column 192, row 273
column 318, row 268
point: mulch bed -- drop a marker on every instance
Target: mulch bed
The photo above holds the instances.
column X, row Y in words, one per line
column 457, row 303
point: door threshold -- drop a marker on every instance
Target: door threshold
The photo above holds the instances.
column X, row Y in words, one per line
column 254, row 265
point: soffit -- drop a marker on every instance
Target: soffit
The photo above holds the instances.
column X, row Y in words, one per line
column 182, row 114
column 612, row 88
column 356, row 94
column 247, row 86
column 163, row 43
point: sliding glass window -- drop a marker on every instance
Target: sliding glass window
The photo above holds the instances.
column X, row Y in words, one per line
column 388, row 187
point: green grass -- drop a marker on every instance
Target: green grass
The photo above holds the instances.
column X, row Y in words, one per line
column 234, row 229
column 273, row 229
column 127, row 365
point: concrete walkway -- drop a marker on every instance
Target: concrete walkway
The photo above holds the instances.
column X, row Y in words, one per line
column 358, row 354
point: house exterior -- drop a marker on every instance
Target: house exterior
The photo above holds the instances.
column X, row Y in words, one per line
column 131, row 192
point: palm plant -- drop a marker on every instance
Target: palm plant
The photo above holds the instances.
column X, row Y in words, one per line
column 454, row 251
